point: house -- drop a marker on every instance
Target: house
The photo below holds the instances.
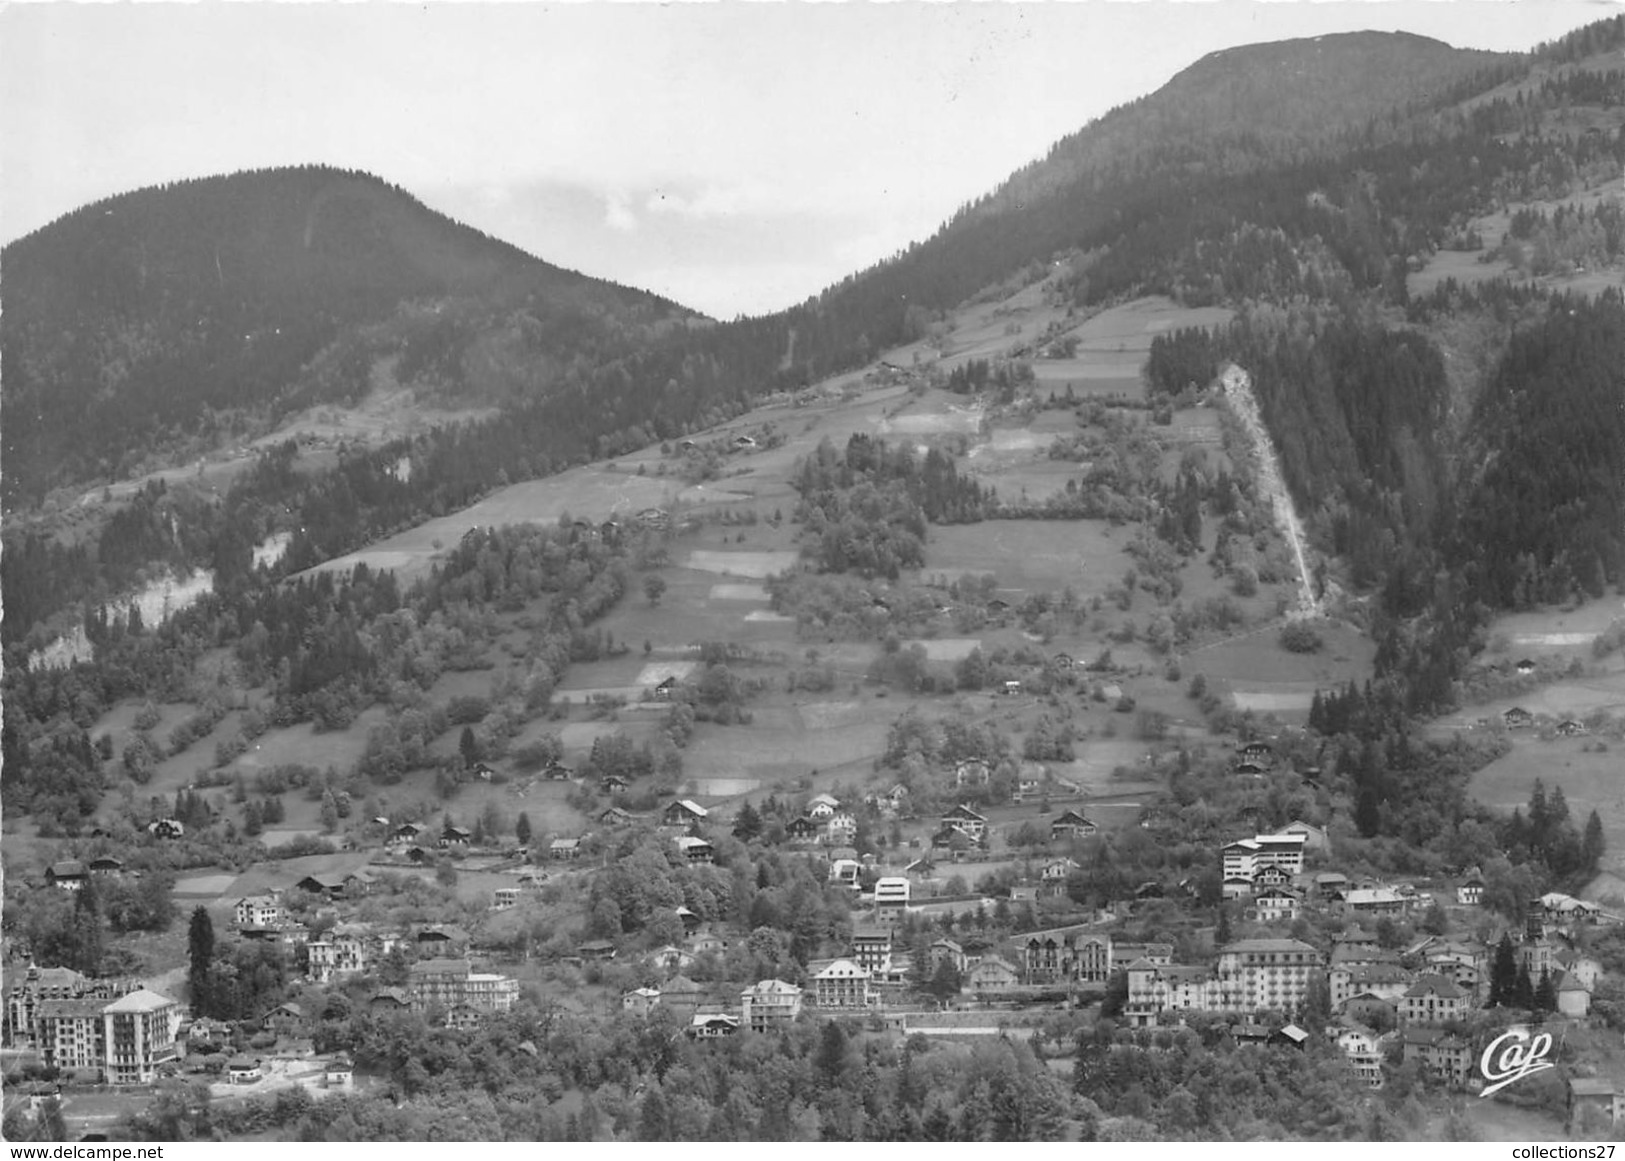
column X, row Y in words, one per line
column 505, row 898
column 972, row 772
column 803, row 829
column 843, row 984
column 1063, row 661
column 822, row 806
column 640, row 1001
column 1569, row 728
column 706, row 943
column 684, row 813
column 891, row 896
column 871, row 947
column 743, row 441
column 482, row 771
column 1470, row 891
column 556, row 772
column 1012, row 688
column 840, row 829
column 1442, row 1055
column 1260, row 752
column 327, row 884
column 1275, row 905
column 597, row 949
column 1364, row 1050
column 948, row 951
column 69, row 874
column 1249, row 769
column 664, row 689
column 389, row 1000
column 670, row 958
column 681, row 997
column 1573, row 996
column 441, row 939
column 966, row 821
column 1375, row 901
column 689, row 918
column 1432, row 1000
column 166, row 828
column 1526, row 666
column 695, row 850
column 991, row 977
column 769, row 1004
column 614, row 816
column 614, row 784
column 1057, row 870
column 339, row 1073
column 1314, row 837
column 455, row 836
column 106, row 865
column 564, row 848
column 457, row 990
column 259, row 911
column 845, row 872
column 405, row 834
column 1331, row 885
column 284, row 1020
column 1384, row 981
column 1518, row 718
column 1594, row 1098
column 1071, row 825
column 712, row 1025
column 1271, row 877
column 243, row 1070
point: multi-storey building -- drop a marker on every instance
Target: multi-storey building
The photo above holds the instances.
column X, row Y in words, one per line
column 1442, row 1054
column 1386, row 981
column 891, row 897
column 1364, row 1050
column 1266, row 973
column 138, row 1035
column 1433, row 1000
column 345, row 950
column 871, row 947
column 769, row 1004
column 39, row 984
column 70, row 1034
column 451, row 984
column 260, row 911
column 1066, row 954
column 843, row 984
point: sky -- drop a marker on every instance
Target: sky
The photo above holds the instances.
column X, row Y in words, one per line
column 736, row 157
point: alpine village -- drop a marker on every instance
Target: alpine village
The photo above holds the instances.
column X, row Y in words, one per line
column 1146, row 663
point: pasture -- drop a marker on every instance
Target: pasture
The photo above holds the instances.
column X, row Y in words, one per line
column 1260, row 675
column 1032, row 556
column 1590, row 778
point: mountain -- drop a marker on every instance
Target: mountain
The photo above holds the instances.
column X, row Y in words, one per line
column 178, row 311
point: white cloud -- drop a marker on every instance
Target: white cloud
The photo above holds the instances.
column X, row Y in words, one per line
column 618, row 213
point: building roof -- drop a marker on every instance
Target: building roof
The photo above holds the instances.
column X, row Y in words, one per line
column 71, row 1008
column 843, row 969
column 1247, row 946
column 67, row 869
column 1438, row 985
column 437, row 967
column 772, row 988
column 1591, row 1086
column 141, row 1000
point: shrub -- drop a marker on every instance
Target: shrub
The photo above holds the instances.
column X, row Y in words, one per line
column 1300, row 637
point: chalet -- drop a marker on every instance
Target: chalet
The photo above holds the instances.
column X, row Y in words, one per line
column 564, row 848
column 106, row 865
column 1012, row 687
column 684, row 812
column 1260, row 752
column 455, row 836
column 992, row 977
column 406, row 833
column 1375, row 901
column 803, row 829
column 1525, row 667
column 69, row 874
column 1271, row 876
column 614, row 784
column 1057, row 870
column 597, row 949
column 1249, row 769
column 389, row 1000
column 1470, row 891
column 840, row 829
column 664, row 689
column 1275, row 904
column 505, row 898
column 558, row 772
column 972, row 772
column 1070, row 825
column 614, row 816
column 712, row 1025
column 948, row 951
column 966, row 821
column 243, row 1070
column 326, row 884
column 998, row 606
column 482, row 771
column 822, row 806
column 695, row 850
column 640, row 1001
column 1331, row 884
column 1569, row 728
column 284, row 1020
column 1249, row 1032
column 742, row 442
column 339, row 1073
column 1063, row 661
column 1517, row 718
column 1364, row 1050
column 441, row 939
column 166, row 828
column 670, row 958
column 1289, row 1036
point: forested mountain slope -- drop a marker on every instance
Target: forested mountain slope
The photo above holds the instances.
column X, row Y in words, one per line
column 159, row 313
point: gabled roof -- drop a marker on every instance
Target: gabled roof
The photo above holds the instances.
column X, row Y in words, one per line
column 1436, row 984
column 67, row 869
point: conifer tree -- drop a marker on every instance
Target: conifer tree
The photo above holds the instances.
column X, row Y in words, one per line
column 1503, row 974
column 200, row 960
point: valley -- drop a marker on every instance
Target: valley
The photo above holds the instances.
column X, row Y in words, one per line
column 1146, row 662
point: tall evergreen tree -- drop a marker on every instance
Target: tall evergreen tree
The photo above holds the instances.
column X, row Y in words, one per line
column 1503, row 974
column 1593, row 844
column 521, row 829
column 200, row 960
